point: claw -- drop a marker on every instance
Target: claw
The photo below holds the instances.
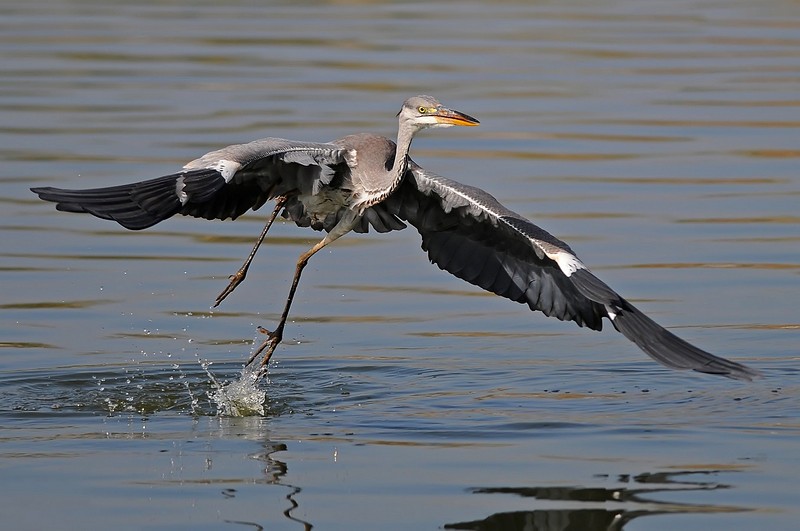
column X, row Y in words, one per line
column 269, row 344
column 235, row 280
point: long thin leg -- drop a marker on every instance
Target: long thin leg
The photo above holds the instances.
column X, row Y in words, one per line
column 238, row 277
column 274, row 338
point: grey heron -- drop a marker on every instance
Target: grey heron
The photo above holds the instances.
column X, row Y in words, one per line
column 367, row 181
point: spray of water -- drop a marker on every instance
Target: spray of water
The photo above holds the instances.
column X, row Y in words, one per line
column 241, row 397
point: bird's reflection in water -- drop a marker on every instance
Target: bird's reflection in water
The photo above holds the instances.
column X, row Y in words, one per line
column 274, row 471
column 633, row 503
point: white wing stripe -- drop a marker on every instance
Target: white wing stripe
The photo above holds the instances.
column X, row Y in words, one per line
column 180, row 184
column 567, row 262
column 227, row 168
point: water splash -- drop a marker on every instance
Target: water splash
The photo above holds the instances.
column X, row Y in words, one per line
column 241, row 397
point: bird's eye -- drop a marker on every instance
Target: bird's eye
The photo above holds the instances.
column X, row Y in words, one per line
column 422, row 110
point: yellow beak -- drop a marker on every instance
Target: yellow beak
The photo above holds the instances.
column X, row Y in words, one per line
column 447, row 116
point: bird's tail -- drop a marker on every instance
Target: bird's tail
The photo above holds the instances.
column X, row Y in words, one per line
column 135, row 206
column 657, row 342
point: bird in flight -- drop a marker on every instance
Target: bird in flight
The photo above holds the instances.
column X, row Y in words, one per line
column 365, row 181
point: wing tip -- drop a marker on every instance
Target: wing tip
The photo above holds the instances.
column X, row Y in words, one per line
column 733, row 370
column 671, row 351
column 135, row 206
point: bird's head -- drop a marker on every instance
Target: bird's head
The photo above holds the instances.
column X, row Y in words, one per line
column 421, row 112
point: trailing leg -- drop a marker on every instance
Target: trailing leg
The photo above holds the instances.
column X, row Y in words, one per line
column 238, row 277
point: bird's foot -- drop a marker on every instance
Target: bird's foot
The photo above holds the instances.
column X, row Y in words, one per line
column 235, row 280
column 267, row 348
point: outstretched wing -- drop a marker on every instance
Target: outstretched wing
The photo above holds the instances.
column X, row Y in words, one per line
column 219, row 185
column 468, row 233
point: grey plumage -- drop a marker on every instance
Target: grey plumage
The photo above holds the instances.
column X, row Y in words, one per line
column 366, row 181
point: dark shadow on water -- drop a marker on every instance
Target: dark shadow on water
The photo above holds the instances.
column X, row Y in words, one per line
column 633, row 503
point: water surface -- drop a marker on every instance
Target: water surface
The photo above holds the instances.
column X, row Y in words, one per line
column 660, row 140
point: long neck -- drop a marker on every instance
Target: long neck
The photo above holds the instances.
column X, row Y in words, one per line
column 400, row 164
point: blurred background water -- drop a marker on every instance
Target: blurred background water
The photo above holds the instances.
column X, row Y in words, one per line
column 659, row 138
